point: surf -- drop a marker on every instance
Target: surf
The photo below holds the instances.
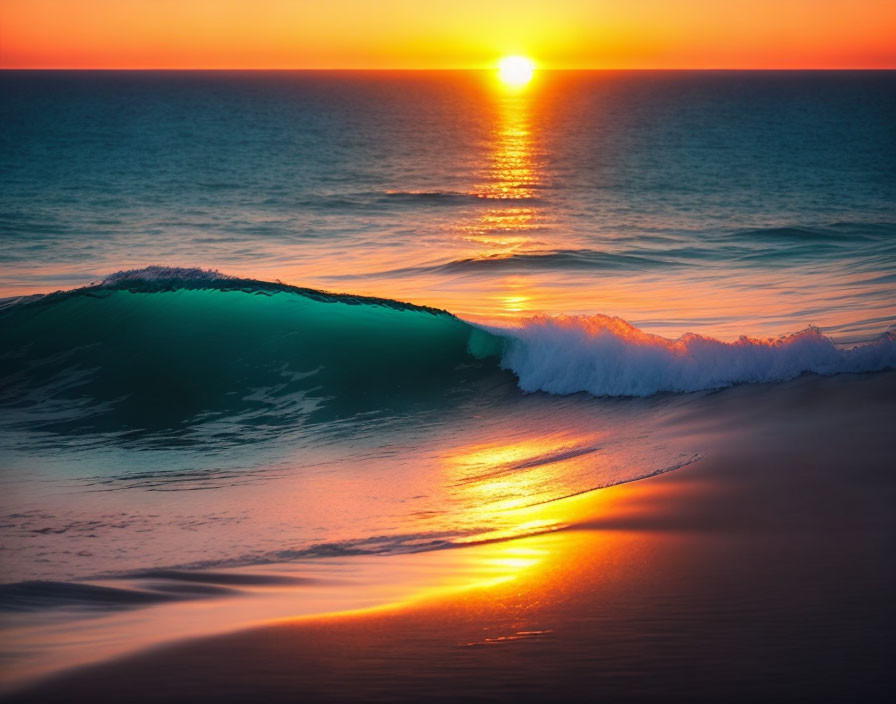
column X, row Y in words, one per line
column 167, row 350
column 606, row 356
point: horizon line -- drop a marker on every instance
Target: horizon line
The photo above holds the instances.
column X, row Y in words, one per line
column 443, row 69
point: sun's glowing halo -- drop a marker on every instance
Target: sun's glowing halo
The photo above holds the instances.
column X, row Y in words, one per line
column 515, row 70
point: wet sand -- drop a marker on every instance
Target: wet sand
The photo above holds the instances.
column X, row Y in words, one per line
column 763, row 572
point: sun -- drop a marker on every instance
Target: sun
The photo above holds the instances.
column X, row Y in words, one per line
column 516, row 70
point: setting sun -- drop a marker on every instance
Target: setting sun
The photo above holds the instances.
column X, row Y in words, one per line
column 516, row 70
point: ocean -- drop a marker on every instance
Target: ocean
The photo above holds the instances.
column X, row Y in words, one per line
column 257, row 326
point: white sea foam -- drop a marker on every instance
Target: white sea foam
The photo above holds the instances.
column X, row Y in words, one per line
column 165, row 273
column 607, row 356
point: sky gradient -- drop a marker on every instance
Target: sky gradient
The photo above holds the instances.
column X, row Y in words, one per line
column 447, row 33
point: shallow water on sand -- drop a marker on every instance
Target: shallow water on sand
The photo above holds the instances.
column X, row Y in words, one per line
column 669, row 542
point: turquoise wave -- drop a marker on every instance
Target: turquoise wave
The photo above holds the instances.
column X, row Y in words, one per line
column 170, row 349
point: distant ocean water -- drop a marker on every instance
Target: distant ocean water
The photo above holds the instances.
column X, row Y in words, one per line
column 720, row 203
column 306, row 315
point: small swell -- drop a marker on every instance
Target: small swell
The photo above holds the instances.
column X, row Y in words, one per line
column 550, row 260
column 849, row 233
column 447, row 197
column 563, row 259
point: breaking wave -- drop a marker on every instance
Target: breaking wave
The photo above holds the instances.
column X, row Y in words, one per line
column 609, row 357
column 169, row 349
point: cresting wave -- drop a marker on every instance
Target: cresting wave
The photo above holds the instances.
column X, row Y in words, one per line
column 169, row 349
column 609, row 357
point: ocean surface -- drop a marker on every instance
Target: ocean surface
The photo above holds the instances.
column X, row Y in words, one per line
column 256, row 325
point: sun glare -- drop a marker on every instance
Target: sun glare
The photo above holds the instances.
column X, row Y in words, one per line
column 515, row 70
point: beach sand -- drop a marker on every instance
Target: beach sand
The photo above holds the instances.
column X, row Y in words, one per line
column 763, row 572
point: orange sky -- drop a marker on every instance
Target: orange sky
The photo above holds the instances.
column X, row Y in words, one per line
column 447, row 33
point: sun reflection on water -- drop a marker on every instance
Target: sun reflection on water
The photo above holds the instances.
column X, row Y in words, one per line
column 509, row 180
column 513, row 222
column 512, row 171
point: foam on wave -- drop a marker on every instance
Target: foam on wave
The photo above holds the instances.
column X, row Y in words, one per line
column 164, row 273
column 607, row 356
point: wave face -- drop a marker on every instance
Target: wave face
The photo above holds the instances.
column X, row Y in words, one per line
column 171, row 350
column 165, row 350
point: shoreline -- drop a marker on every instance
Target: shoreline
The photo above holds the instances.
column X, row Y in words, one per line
column 762, row 571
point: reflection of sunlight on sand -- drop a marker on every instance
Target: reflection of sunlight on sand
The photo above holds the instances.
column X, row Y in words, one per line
column 343, row 587
column 515, row 481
